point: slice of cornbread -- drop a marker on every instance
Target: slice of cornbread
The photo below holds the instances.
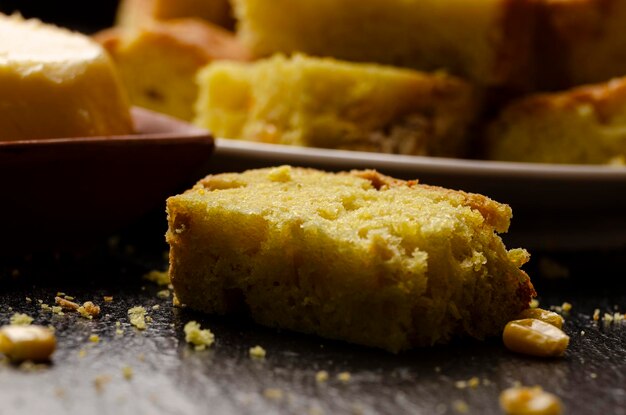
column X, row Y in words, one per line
column 581, row 42
column 56, row 83
column 158, row 61
column 133, row 13
column 328, row 103
column 487, row 41
column 354, row 256
column 585, row 125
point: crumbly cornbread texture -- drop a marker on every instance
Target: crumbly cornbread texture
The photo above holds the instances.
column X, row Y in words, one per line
column 584, row 125
column 486, row 41
column 327, row 103
column 158, row 61
column 354, row 256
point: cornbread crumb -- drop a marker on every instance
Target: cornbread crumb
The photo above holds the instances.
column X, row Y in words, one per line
column 156, row 307
column 593, row 375
column 176, row 301
column 201, row 339
column 473, row 382
column 69, row 297
column 60, row 294
column 137, row 317
column 273, row 394
column 566, row 307
column 321, row 376
column 100, row 382
column 529, row 401
column 534, row 303
column 119, row 332
column 460, row 407
column 257, row 352
column 82, row 353
column 29, row 300
column 89, row 310
column 158, row 277
column 163, row 294
column 535, row 337
column 57, row 310
column 596, row 314
column 45, row 307
column 127, row 372
column 20, row 319
column 94, row 338
column 344, row 377
column 107, row 298
column 66, row 304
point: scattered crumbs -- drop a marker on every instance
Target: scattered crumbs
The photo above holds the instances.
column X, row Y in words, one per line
column 66, row 304
column 118, row 324
column 119, row 332
column 51, row 328
column 107, row 315
column 100, row 382
column 344, row 377
column 273, row 394
column 473, row 382
column 257, row 352
column 200, row 338
column 40, row 301
column 321, row 376
column 82, row 353
column 534, row 303
column 29, row 300
column 156, row 307
column 608, row 318
column 486, row 382
column 437, row 369
column 57, row 310
column 460, row 407
column 69, row 297
column 582, row 332
column 45, row 307
column 158, row 277
column 593, row 375
column 163, row 294
column 596, row 314
column 566, row 307
column 149, row 319
column 137, row 317
column 107, row 298
column 89, row 310
column 94, row 338
column 20, row 319
column 30, row 366
column 60, row 294
column 10, row 308
column 127, row 372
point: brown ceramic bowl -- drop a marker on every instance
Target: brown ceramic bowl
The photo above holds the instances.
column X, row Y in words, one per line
column 67, row 191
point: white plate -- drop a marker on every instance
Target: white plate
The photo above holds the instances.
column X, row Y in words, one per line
column 555, row 206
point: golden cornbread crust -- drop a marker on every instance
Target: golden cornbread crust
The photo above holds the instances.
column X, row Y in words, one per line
column 356, row 256
column 584, row 125
column 158, row 60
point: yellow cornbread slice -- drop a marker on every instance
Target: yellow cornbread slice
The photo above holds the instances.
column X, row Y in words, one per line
column 353, row 256
column 158, row 61
column 584, row 125
column 56, row 83
column 487, row 41
column 315, row 102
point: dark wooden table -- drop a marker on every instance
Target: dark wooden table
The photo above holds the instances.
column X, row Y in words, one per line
column 169, row 377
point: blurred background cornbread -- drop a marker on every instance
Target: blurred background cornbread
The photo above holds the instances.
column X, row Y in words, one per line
column 57, row 83
column 158, row 60
column 327, row 103
column 133, row 13
column 585, row 125
column 488, row 41
column 354, row 256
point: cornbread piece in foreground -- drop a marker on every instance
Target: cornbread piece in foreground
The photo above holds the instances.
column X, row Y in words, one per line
column 489, row 41
column 354, row 256
column 133, row 13
column 158, row 61
column 56, row 83
column 585, row 125
column 316, row 102
column 581, row 42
